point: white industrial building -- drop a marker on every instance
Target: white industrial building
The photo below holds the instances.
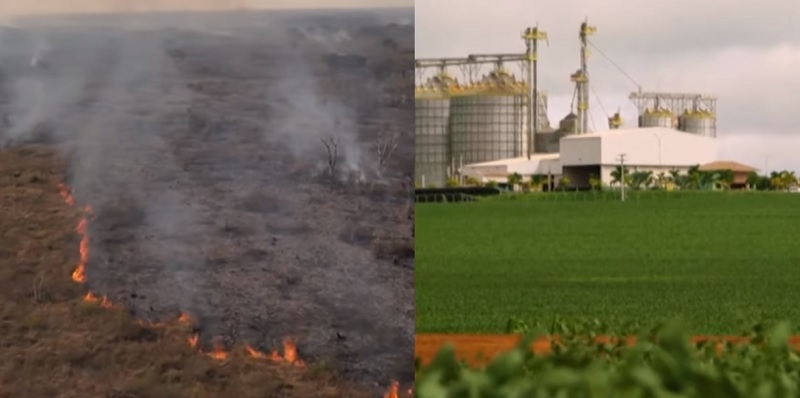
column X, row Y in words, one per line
column 656, row 149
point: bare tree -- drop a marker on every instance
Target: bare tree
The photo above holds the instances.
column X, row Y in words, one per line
column 385, row 146
column 332, row 149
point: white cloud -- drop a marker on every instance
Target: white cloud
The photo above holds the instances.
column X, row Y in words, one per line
column 747, row 53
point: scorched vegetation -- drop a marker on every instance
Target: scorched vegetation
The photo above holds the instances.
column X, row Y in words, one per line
column 205, row 208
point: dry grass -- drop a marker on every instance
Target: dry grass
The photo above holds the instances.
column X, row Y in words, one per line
column 57, row 345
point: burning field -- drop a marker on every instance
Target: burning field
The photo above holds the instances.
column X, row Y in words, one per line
column 222, row 211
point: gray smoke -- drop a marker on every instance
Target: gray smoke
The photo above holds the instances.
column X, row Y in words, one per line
column 105, row 104
column 304, row 114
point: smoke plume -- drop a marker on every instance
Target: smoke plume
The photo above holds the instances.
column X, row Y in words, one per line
column 108, row 104
column 304, row 115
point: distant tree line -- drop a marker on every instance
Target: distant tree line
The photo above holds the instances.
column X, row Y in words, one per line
column 692, row 179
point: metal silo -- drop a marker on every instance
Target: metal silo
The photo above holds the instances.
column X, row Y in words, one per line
column 432, row 110
column 658, row 117
column 698, row 122
column 569, row 124
column 488, row 121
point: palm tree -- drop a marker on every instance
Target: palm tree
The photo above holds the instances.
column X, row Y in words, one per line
column 725, row 178
column 616, row 174
column 514, row 179
column 781, row 180
column 694, row 177
column 537, row 180
column 707, row 179
column 753, row 180
column 595, row 182
column 677, row 179
column 661, row 180
column 789, row 178
column 471, row 181
column 641, row 179
column 564, row 182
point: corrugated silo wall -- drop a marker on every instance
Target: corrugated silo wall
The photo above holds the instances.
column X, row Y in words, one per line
column 487, row 127
column 658, row 120
column 432, row 155
column 704, row 125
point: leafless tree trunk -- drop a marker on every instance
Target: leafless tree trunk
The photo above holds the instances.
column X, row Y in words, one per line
column 332, row 149
column 385, row 146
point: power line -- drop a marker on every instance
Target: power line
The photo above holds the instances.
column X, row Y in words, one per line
column 572, row 103
column 619, row 68
column 596, row 97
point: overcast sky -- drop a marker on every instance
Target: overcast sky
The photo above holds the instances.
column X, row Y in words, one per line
column 745, row 52
column 36, row 7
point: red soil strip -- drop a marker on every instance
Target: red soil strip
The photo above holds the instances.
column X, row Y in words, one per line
column 479, row 349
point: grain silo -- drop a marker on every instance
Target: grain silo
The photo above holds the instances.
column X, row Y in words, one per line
column 697, row 112
column 489, row 120
column 698, row 122
column 432, row 111
column 569, row 124
column 658, row 117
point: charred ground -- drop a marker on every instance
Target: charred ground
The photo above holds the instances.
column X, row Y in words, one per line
column 57, row 345
column 200, row 153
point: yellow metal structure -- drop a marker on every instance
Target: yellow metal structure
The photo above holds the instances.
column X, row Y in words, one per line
column 532, row 35
column 581, row 78
column 662, row 112
column 439, row 86
column 615, row 122
column 699, row 114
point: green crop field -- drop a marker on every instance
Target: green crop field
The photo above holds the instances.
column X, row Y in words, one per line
column 719, row 259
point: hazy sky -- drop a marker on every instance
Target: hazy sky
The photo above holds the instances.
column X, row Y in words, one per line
column 14, row 8
column 747, row 53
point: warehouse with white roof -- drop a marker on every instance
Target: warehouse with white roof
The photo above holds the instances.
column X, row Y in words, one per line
column 656, row 149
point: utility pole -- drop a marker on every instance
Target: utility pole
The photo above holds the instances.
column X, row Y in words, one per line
column 621, row 158
column 532, row 37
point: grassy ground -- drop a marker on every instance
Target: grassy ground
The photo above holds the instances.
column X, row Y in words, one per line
column 57, row 345
column 719, row 259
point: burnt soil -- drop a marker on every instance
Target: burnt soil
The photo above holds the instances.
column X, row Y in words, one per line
column 57, row 345
column 185, row 143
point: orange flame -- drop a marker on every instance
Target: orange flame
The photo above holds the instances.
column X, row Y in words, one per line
column 103, row 301
column 79, row 275
column 218, row 352
column 289, row 354
column 255, row 353
column 65, row 193
column 394, row 390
